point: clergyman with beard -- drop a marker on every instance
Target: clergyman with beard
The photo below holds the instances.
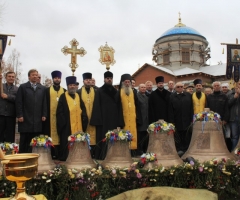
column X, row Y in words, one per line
column 87, row 94
column 158, row 102
column 71, row 116
column 199, row 98
column 53, row 94
column 104, row 114
column 129, row 111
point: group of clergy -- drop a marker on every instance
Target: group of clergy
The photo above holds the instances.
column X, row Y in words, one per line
column 91, row 111
column 60, row 112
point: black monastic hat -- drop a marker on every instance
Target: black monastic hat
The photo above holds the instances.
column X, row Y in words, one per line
column 87, row 75
column 56, row 74
column 108, row 74
column 197, row 81
column 71, row 80
column 159, row 79
column 125, row 77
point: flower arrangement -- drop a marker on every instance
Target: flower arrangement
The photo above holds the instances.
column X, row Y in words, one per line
column 161, row 127
column 9, row 148
column 147, row 157
column 206, row 116
column 79, row 137
column 237, row 151
column 219, row 176
column 118, row 135
column 41, row 141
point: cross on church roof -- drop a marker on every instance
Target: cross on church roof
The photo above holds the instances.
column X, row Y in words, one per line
column 74, row 51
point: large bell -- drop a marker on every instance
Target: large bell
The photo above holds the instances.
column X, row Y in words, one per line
column 118, row 155
column 79, row 156
column 163, row 145
column 45, row 161
column 207, row 142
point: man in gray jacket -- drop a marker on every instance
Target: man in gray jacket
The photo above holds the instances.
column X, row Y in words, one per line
column 7, row 109
column 234, row 107
column 31, row 108
column 142, row 129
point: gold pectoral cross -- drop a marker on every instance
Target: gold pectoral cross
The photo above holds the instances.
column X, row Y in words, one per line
column 88, row 100
column 129, row 104
column 75, row 103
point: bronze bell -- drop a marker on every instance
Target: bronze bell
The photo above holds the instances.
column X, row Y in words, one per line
column 118, row 155
column 163, row 145
column 45, row 161
column 207, row 142
column 79, row 156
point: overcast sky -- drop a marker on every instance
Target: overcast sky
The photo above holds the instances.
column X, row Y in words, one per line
column 131, row 27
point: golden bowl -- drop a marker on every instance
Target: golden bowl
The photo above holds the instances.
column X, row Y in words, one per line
column 20, row 168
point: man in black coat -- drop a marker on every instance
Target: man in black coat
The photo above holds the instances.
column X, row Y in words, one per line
column 218, row 102
column 7, row 109
column 104, row 114
column 158, row 102
column 71, row 116
column 53, row 94
column 181, row 115
column 31, row 110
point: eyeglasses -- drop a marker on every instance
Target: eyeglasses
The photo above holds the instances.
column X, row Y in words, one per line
column 179, row 86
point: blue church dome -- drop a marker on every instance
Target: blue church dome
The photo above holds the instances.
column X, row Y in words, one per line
column 180, row 29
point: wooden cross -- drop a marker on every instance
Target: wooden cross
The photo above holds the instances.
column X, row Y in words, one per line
column 74, row 51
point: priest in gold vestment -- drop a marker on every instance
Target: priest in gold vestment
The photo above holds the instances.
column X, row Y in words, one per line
column 53, row 94
column 198, row 97
column 71, row 116
column 87, row 94
column 129, row 111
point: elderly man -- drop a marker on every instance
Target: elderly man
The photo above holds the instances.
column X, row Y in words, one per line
column 142, row 129
column 225, row 89
column 190, row 88
column 158, row 102
column 218, row 102
column 198, row 97
column 104, row 114
column 53, row 94
column 180, row 114
column 234, row 107
column 7, row 109
column 129, row 112
column 208, row 91
column 31, row 110
column 171, row 86
column 149, row 90
column 71, row 116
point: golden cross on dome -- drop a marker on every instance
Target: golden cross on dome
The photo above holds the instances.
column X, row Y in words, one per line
column 74, row 51
column 179, row 15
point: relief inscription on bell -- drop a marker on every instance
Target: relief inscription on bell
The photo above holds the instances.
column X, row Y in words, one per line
column 78, row 151
column 203, row 140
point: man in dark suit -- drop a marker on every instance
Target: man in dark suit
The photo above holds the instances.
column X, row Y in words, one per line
column 31, row 109
column 7, row 109
column 181, row 114
column 142, row 129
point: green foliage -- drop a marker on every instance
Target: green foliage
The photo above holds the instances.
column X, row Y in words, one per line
column 221, row 177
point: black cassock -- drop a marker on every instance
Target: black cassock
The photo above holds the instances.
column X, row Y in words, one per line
column 104, row 116
column 46, row 124
column 158, row 105
column 64, row 124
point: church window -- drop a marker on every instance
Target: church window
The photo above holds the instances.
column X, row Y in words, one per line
column 166, row 58
column 185, row 55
